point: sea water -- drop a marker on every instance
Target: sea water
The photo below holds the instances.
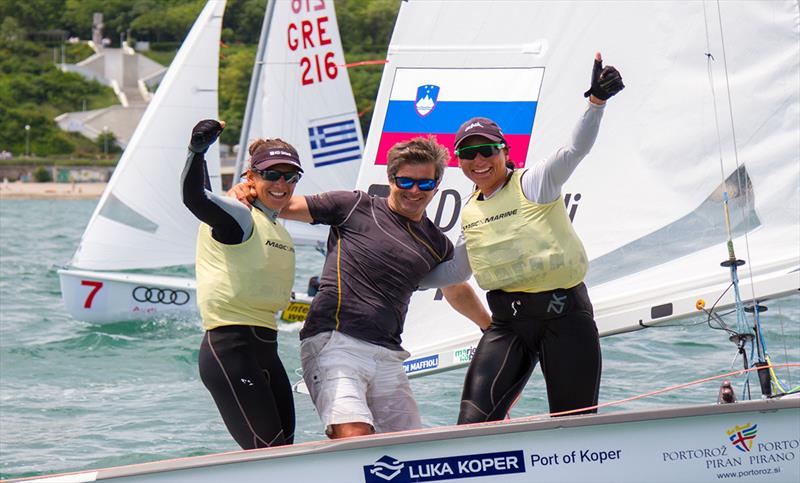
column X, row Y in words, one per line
column 77, row 396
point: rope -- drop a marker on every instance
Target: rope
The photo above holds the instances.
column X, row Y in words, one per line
column 659, row 391
column 777, row 382
column 364, row 62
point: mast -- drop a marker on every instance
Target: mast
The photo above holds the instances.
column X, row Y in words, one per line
column 251, row 94
column 743, row 334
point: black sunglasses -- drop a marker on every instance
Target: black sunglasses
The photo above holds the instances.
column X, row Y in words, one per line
column 405, row 183
column 291, row 177
column 485, row 150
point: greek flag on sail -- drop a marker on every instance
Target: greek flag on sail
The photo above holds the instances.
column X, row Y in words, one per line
column 335, row 142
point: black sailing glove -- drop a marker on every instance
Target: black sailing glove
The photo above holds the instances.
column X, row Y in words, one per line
column 605, row 81
column 204, row 134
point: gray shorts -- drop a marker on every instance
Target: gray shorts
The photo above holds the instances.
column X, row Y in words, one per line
column 352, row 381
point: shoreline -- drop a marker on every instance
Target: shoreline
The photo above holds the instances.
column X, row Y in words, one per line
column 65, row 191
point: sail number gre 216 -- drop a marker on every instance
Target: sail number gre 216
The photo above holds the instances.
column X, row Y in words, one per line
column 309, row 34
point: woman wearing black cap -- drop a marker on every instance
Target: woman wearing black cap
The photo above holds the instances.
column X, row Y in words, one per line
column 521, row 247
column 245, row 271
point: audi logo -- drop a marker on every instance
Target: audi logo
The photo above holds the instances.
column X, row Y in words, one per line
column 156, row 295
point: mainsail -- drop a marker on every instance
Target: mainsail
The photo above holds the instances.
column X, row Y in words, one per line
column 301, row 93
column 140, row 221
column 644, row 199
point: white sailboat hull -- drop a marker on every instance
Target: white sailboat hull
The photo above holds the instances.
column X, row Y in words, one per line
column 755, row 440
column 107, row 297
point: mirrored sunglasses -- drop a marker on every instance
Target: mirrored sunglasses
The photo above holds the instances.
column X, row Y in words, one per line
column 485, row 150
column 291, row 177
column 405, row 183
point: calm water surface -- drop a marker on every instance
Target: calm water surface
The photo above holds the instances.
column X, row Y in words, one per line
column 76, row 396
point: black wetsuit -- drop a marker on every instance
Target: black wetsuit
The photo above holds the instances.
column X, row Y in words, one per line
column 239, row 364
column 555, row 328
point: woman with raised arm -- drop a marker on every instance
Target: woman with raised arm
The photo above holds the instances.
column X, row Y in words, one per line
column 245, row 271
column 518, row 241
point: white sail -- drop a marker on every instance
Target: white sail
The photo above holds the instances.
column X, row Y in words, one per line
column 140, row 221
column 303, row 96
column 647, row 200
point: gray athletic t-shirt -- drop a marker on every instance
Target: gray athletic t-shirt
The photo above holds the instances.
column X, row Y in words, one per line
column 375, row 261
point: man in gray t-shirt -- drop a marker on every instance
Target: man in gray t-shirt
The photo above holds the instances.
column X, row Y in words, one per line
column 377, row 257
column 378, row 251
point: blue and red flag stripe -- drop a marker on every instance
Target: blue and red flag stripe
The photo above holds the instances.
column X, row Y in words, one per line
column 402, row 122
column 518, row 146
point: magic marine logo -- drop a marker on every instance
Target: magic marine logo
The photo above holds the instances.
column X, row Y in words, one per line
column 391, row 469
column 279, row 246
column 742, row 437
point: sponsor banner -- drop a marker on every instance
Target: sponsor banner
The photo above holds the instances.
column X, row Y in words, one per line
column 745, row 449
column 678, row 444
column 464, row 354
column 421, row 364
column 720, row 447
column 295, row 311
column 388, row 468
column 438, row 101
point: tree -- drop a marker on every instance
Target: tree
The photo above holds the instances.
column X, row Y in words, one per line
column 42, row 175
column 33, row 15
column 106, row 142
column 11, row 30
column 167, row 23
column 243, row 19
column 33, row 92
column 366, row 26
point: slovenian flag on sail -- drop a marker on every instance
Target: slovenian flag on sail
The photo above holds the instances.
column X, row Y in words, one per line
column 438, row 101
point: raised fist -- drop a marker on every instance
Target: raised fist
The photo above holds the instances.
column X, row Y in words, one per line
column 204, row 134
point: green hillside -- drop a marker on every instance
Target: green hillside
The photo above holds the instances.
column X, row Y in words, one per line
column 34, row 32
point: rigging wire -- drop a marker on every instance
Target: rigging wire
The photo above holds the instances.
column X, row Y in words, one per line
column 741, row 186
column 754, row 335
column 732, row 262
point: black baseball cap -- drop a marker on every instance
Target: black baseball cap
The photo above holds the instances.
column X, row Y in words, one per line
column 480, row 126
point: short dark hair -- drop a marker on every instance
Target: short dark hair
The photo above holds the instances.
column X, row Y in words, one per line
column 419, row 150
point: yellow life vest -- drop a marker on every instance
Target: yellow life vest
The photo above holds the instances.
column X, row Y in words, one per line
column 517, row 245
column 247, row 283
